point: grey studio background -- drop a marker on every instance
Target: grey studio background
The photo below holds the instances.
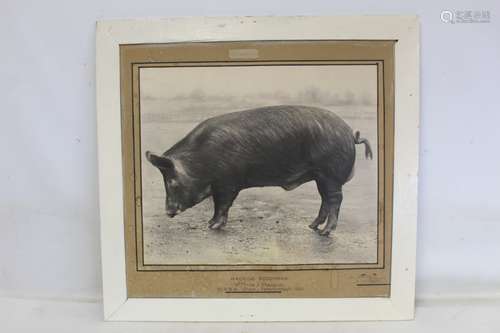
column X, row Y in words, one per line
column 49, row 238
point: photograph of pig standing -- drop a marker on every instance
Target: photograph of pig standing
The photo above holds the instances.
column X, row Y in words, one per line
column 285, row 146
column 248, row 157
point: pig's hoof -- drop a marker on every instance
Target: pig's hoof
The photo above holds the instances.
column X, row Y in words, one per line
column 324, row 232
column 217, row 224
column 313, row 226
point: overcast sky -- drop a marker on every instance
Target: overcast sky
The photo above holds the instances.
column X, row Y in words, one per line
column 166, row 83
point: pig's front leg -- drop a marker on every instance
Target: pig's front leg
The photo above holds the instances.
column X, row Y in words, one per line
column 223, row 200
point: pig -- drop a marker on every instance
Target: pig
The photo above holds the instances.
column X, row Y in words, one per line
column 284, row 145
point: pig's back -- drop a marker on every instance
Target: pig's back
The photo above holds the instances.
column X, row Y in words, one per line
column 274, row 142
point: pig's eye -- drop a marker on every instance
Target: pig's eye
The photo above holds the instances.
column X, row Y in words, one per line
column 171, row 182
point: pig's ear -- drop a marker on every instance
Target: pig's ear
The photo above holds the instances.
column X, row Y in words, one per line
column 160, row 162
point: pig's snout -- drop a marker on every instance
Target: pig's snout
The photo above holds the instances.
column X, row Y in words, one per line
column 173, row 210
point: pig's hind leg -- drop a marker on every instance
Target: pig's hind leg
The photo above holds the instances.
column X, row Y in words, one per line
column 223, row 200
column 333, row 216
column 331, row 194
column 324, row 209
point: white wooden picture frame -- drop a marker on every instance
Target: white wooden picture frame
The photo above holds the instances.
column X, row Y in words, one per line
column 400, row 304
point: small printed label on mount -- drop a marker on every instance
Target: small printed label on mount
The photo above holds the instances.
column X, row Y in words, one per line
column 243, row 53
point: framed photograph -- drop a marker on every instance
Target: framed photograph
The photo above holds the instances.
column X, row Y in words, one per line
column 260, row 169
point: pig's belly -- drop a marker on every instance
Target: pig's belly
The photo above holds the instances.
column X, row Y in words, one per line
column 287, row 181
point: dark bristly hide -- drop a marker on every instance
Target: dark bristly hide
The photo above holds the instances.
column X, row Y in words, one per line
column 282, row 145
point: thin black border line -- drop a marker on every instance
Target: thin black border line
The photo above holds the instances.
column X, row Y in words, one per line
column 385, row 164
column 372, row 284
column 260, row 269
column 262, row 299
column 378, row 163
column 393, row 99
column 231, row 63
column 236, row 265
column 275, row 265
column 317, row 263
column 133, row 166
column 253, row 292
column 140, row 157
column 309, row 264
column 255, row 65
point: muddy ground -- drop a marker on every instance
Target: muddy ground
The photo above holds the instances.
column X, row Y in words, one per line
column 266, row 226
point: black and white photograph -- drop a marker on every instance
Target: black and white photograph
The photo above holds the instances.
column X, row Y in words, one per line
column 268, row 164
